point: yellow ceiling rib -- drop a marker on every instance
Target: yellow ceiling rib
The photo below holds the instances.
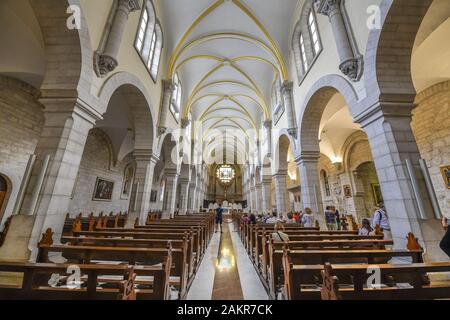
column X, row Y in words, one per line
column 267, row 35
column 224, row 98
column 233, row 117
column 206, row 57
column 242, row 110
column 256, row 58
column 263, row 105
column 179, row 46
column 224, row 35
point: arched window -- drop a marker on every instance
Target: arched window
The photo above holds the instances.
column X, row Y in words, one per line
column 306, row 43
column 175, row 105
column 326, row 183
column 149, row 39
column 312, row 25
column 303, row 54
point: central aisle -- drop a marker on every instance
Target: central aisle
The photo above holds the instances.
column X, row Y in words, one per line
column 226, row 272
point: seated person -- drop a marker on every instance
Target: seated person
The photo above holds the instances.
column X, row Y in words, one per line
column 278, row 234
column 273, row 219
column 290, row 218
column 366, row 228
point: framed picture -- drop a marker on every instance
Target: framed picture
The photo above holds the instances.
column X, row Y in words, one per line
column 347, row 191
column 103, row 190
column 153, row 196
column 446, row 175
column 377, row 196
column 128, row 177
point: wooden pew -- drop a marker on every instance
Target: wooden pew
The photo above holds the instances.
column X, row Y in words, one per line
column 129, row 255
column 182, row 244
column 295, row 273
column 193, row 239
column 414, row 274
column 36, row 277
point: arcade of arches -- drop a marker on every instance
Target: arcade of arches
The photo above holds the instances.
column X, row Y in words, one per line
column 173, row 107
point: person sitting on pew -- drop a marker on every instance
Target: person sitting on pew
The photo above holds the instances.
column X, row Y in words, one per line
column 273, row 219
column 278, row 235
column 445, row 243
column 252, row 219
column 290, row 218
column 296, row 217
column 308, row 219
column 366, row 228
column 381, row 218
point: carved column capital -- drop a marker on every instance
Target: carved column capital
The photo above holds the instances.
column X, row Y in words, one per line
column 129, row 6
column 327, row 7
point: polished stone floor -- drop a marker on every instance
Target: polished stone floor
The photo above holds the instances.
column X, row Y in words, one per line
column 226, row 272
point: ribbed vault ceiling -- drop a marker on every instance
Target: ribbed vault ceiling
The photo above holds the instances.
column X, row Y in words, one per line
column 227, row 54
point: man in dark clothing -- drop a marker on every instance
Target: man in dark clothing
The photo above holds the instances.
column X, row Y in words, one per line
column 219, row 218
column 445, row 243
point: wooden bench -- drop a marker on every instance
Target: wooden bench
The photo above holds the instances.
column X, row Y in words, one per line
column 414, row 274
column 38, row 282
column 129, row 255
column 294, row 262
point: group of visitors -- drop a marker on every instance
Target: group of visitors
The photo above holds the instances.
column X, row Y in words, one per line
column 306, row 219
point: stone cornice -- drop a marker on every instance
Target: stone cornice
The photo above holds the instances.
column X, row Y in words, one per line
column 384, row 109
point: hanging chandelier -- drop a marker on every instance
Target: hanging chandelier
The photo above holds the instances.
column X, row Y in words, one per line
column 225, row 175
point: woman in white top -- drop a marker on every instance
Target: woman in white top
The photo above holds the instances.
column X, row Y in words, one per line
column 308, row 219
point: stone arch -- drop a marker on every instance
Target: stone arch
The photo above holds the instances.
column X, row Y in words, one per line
column 104, row 137
column 389, row 50
column 167, row 150
column 140, row 102
column 73, row 44
column 281, row 152
column 314, row 105
column 348, row 146
column 5, row 192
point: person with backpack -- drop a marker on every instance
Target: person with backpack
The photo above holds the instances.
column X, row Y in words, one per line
column 219, row 218
column 381, row 219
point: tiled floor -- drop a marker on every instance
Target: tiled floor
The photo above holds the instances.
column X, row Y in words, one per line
column 226, row 272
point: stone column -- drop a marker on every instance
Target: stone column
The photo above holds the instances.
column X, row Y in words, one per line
column 106, row 61
column 311, row 195
column 184, row 196
column 67, row 125
column 310, row 181
column 388, row 127
column 145, row 167
column 266, row 186
column 286, row 92
column 268, row 127
column 281, row 193
column 192, row 197
column 167, row 87
column 259, row 196
column 351, row 62
column 171, row 185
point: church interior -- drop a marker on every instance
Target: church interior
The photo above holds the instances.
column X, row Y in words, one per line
column 224, row 149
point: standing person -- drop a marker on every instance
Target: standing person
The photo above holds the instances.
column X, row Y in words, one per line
column 381, row 219
column 219, row 218
column 445, row 243
column 338, row 217
column 330, row 218
column 308, row 219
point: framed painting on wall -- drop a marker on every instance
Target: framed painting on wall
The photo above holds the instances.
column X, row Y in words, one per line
column 103, row 190
column 446, row 175
column 377, row 196
column 347, row 191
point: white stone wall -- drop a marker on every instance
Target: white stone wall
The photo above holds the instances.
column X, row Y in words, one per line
column 21, row 121
column 96, row 163
column 431, row 128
